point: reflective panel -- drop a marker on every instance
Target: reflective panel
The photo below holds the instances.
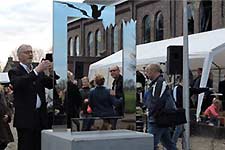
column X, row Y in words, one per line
column 115, row 39
column 98, row 41
column 129, row 66
column 77, row 46
column 62, row 49
column 90, row 47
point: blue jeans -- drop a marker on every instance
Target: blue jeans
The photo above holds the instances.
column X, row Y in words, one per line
column 161, row 135
column 177, row 132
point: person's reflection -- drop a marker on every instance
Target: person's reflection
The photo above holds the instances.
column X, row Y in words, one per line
column 73, row 100
column 102, row 102
column 117, row 87
column 84, row 91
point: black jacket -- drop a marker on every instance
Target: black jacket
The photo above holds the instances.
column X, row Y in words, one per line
column 117, row 85
column 26, row 87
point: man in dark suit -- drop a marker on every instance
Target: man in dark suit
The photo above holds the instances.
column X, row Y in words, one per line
column 29, row 98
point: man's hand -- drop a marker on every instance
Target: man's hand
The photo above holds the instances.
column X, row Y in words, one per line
column 112, row 92
column 44, row 65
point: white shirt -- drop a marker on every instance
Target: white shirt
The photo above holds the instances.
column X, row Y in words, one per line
column 38, row 102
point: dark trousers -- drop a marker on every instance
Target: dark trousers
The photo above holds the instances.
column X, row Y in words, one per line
column 3, row 146
column 29, row 139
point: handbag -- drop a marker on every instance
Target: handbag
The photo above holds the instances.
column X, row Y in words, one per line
column 170, row 118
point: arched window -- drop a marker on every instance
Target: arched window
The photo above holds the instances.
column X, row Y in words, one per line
column 90, row 45
column 223, row 8
column 98, row 41
column 77, row 46
column 146, row 29
column 190, row 14
column 205, row 15
column 70, row 47
column 159, row 26
column 115, row 39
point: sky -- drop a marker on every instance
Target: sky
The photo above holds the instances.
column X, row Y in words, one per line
column 25, row 22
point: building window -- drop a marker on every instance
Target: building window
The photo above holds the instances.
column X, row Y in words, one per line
column 205, row 15
column 70, row 47
column 159, row 26
column 98, row 42
column 77, row 46
column 223, row 8
column 190, row 14
column 146, row 29
column 115, row 39
column 90, row 49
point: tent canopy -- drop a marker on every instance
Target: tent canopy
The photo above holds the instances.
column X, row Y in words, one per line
column 200, row 45
column 4, row 77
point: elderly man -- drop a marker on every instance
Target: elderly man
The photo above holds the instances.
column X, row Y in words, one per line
column 29, row 98
column 157, row 99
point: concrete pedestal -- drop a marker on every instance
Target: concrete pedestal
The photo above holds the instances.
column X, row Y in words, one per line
column 96, row 140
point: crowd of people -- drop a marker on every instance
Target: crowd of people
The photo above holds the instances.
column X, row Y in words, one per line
column 158, row 91
column 35, row 106
column 30, row 97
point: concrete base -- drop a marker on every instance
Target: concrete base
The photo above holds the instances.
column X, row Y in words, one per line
column 96, row 140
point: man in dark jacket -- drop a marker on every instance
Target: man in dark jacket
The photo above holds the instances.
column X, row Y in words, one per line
column 117, row 88
column 156, row 100
column 29, row 98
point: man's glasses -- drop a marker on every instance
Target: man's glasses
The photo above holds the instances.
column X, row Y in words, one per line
column 113, row 70
column 28, row 52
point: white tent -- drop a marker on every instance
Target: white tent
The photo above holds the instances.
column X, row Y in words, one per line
column 4, row 77
column 204, row 47
column 216, row 55
column 200, row 45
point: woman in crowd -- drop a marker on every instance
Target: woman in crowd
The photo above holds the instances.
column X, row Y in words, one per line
column 5, row 118
column 101, row 101
column 85, row 110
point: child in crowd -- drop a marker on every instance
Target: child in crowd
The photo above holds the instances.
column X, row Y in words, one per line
column 212, row 112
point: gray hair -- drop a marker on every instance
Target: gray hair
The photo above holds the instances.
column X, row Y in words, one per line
column 154, row 67
column 23, row 47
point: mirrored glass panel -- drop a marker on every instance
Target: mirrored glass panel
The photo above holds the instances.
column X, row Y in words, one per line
column 86, row 21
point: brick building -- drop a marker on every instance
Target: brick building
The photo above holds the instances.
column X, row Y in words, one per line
column 88, row 41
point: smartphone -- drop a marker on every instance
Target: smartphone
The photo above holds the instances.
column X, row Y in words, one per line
column 48, row 56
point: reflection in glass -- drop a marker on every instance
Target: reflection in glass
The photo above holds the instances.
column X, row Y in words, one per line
column 115, row 39
column 98, row 41
column 205, row 15
column 159, row 27
column 90, row 48
column 190, row 13
column 63, row 49
column 146, row 29
column 71, row 47
column 129, row 65
column 77, row 46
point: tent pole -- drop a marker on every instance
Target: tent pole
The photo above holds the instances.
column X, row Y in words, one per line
column 219, row 68
column 186, row 77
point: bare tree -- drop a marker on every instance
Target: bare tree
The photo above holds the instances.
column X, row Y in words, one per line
column 14, row 55
column 38, row 54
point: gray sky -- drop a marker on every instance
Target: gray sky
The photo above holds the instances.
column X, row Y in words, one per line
column 25, row 21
